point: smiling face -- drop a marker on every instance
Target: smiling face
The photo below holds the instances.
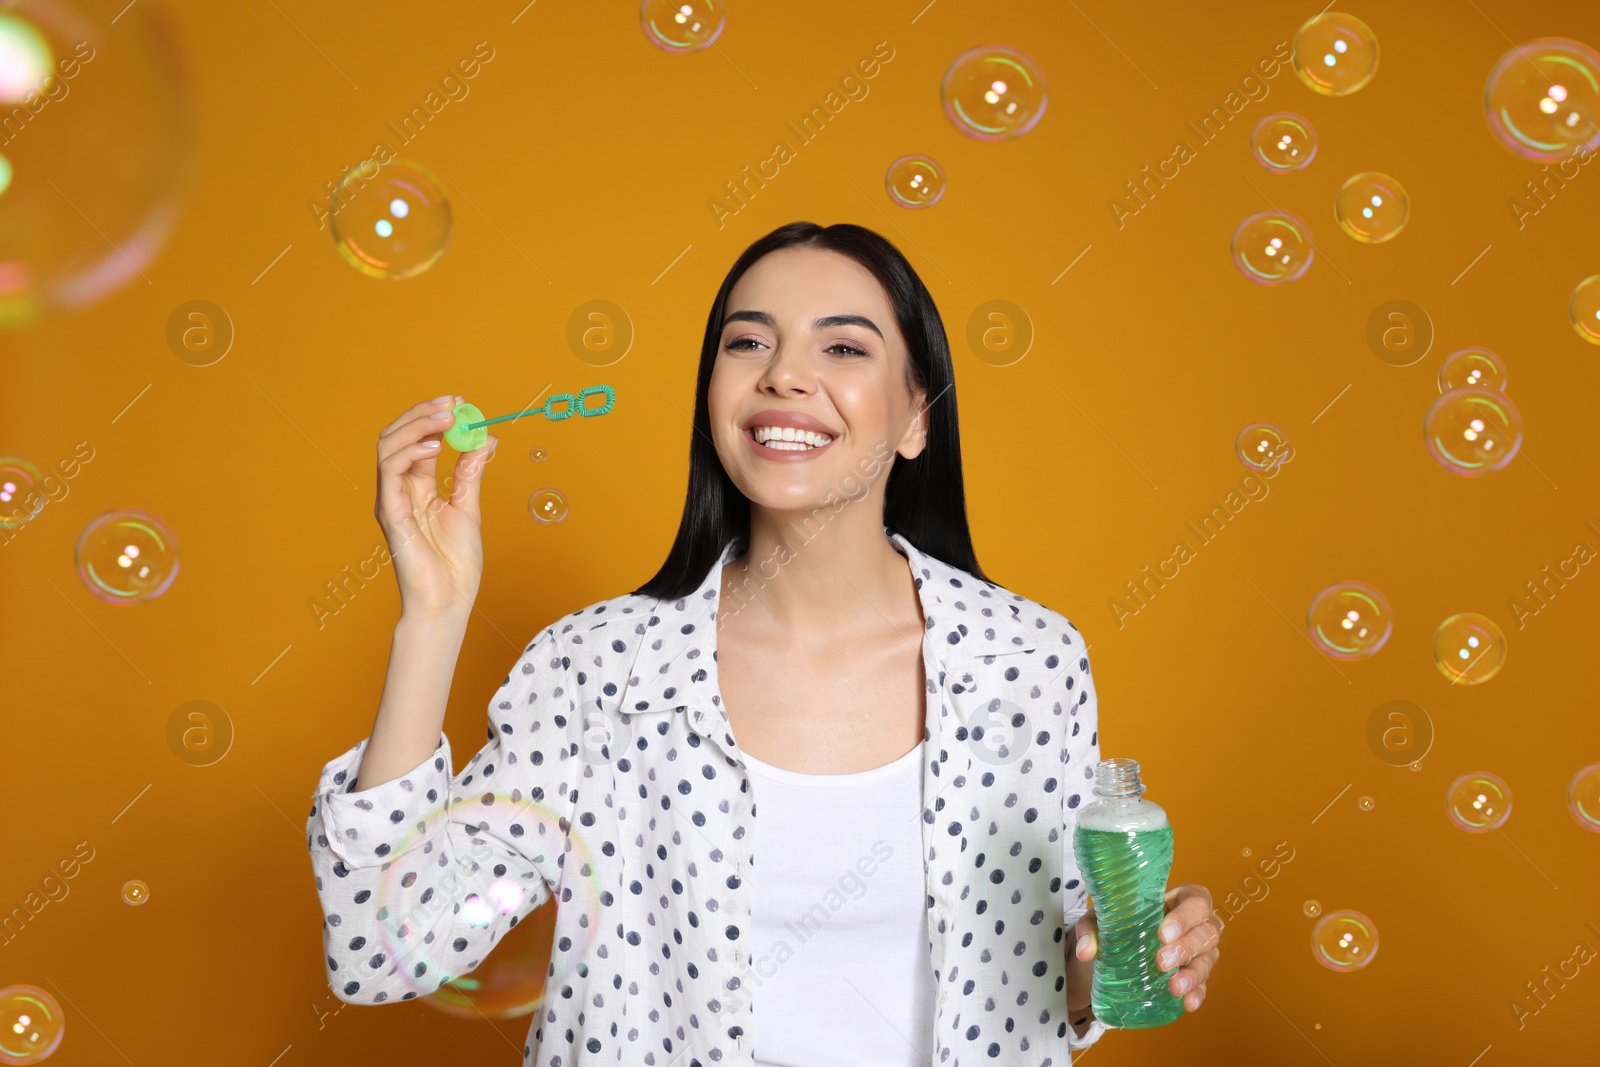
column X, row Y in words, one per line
column 810, row 343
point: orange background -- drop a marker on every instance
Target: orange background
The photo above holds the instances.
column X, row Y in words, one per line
column 594, row 155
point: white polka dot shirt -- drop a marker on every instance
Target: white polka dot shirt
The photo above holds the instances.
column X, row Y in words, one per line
column 611, row 782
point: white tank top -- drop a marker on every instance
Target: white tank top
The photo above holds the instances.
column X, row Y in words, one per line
column 839, row 918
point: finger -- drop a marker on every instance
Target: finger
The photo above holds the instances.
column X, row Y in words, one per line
column 469, row 478
column 424, row 425
column 423, row 408
column 1192, row 976
column 1194, row 943
column 1189, row 911
column 1084, row 931
column 1193, row 1000
column 393, row 501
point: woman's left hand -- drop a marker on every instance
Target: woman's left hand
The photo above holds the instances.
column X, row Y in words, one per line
column 1189, row 937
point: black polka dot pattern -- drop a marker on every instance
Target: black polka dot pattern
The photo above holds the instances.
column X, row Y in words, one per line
column 652, row 831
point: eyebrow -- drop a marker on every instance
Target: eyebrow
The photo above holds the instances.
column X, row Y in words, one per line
column 827, row 322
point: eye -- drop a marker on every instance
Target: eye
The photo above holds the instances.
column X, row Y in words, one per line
column 851, row 349
column 733, row 346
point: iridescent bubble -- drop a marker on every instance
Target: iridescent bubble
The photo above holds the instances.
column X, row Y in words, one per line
column 1366, row 803
column 1349, row 620
column 1272, row 247
column 914, row 181
column 390, row 220
column 1479, row 802
column 1469, row 648
column 1312, row 908
column 682, row 25
column 125, row 557
column 98, row 151
column 1344, row 940
column 21, row 497
column 135, row 892
column 1246, row 853
column 1372, row 207
column 994, row 93
column 547, row 505
column 1542, row 99
column 538, row 455
column 31, row 1025
column 1262, row 446
column 1472, row 368
column 1584, row 307
column 1473, row 431
column 1284, row 142
column 1335, row 54
column 1583, row 797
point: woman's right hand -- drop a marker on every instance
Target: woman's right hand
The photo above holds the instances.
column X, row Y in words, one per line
column 435, row 543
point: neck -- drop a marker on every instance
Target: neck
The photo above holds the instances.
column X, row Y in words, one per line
column 813, row 571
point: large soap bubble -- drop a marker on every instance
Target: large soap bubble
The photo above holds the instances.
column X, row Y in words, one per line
column 1542, row 100
column 94, row 150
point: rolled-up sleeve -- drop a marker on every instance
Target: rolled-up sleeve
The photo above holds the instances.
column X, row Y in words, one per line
column 420, row 876
column 1080, row 753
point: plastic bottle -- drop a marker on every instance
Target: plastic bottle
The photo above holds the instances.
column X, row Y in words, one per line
column 1124, row 848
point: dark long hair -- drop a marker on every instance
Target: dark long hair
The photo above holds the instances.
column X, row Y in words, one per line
column 924, row 501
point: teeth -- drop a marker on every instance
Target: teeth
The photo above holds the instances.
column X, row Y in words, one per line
column 789, row 439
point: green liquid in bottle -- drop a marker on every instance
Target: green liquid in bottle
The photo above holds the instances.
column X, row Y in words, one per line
column 1125, row 870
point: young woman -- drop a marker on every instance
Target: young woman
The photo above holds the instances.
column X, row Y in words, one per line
column 819, row 646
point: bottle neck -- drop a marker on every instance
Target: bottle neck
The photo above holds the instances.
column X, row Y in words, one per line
column 1117, row 778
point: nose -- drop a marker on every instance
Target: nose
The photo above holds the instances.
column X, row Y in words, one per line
column 789, row 371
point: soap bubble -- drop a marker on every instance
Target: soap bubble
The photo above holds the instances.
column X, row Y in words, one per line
column 390, row 220
column 1542, row 99
column 125, row 557
column 993, row 93
column 1585, row 309
column 31, row 1025
column 135, row 892
column 915, row 181
column 1469, row 648
column 1479, row 802
column 1284, row 142
column 1312, row 908
column 1366, row 803
column 1349, row 620
column 1344, row 940
column 1262, row 446
column 1472, row 368
column 1335, row 54
column 1583, row 797
column 98, row 151
column 1272, row 247
column 682, row 25
column 1473, row 431
column 1372, row 207
column 21, row 497
column 537, row 454
column 547, row 505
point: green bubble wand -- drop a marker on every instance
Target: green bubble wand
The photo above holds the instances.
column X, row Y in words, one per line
column 467, row 432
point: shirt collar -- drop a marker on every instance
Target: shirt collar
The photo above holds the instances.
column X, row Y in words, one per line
column 967, row 619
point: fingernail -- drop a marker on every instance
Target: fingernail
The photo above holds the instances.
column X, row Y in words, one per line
column 440, row 399
column 430, row 444
column 1169, row 931
column 1169, row 956
column 460, row 399
column 1183, row 986
column 444, row 414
